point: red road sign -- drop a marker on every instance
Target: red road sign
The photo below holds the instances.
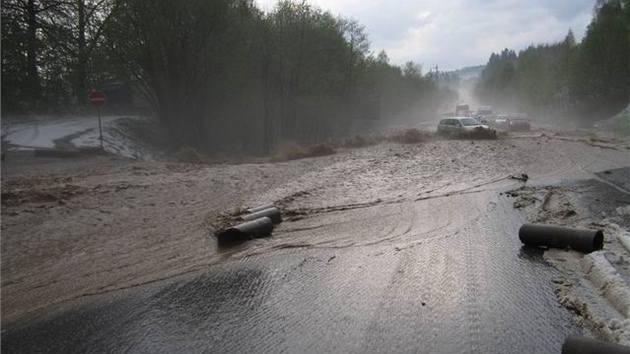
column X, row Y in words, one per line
column 97, row 98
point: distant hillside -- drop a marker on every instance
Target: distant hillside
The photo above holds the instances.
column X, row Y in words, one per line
column 469, row 72
column 454, row 79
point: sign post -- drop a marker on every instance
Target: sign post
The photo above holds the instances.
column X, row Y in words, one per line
column 97, row 100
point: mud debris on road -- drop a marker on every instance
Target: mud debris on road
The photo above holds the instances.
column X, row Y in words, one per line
column 596, row 204
column 79, row 230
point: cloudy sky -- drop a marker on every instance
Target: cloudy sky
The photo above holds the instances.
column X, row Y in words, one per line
column 458, row 33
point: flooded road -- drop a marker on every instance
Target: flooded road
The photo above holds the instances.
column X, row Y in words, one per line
column 466, row 286
column 391, row 248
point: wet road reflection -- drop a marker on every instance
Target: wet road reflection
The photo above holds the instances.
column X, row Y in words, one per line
column 186, row 317
column 470, row 289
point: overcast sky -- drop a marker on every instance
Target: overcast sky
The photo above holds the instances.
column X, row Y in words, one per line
column 457, row 33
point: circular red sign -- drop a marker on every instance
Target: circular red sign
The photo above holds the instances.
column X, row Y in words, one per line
column 97, row 98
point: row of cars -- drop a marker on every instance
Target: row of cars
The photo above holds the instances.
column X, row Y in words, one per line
column 511, row 122
column 485, row 119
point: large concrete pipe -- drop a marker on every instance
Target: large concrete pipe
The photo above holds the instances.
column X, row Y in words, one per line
column 583, row 240
column 260, row 227
column 583, row 345
column 272, row 213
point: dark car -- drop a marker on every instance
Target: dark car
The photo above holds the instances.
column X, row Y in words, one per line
column 518, row 122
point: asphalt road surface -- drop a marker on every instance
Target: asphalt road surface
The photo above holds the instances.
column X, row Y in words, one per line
column 472, row 289
column 384, row 251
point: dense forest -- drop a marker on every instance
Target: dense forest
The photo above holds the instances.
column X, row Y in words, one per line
column 584, row 81
column 217, row 75
column 223, row 75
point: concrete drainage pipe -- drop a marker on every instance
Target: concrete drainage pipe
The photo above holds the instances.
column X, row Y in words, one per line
column 583, row 240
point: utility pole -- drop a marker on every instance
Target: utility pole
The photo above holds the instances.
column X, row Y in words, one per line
column 437, row 76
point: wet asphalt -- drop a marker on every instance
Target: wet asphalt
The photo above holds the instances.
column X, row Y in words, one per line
column 463, row 284
column 398, row 270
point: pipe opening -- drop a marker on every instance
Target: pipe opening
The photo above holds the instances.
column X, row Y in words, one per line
column 598, row 240
column 232, row 237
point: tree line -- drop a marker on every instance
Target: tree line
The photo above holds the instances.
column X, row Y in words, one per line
column 584, row 81
column 219, row 75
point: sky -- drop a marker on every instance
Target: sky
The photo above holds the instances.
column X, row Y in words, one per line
column 458, row 33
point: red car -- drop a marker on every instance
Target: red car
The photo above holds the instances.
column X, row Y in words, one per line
column 518, row 121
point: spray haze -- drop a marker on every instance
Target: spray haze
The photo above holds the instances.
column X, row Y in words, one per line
column 227, row 77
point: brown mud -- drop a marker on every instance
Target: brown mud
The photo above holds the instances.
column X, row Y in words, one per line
column 74, row 229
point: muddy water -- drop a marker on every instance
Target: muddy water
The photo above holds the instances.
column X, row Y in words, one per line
column 390, row 248
column 387, row 183
column 451, row 280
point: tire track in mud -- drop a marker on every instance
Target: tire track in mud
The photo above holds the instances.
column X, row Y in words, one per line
column 466, row 291
column 434, row 274
column 481, row 292
column 517, row 303
column 422, row 292
column 419, row 312
column 367, row 225
column 480, row 296
column 474, row 290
